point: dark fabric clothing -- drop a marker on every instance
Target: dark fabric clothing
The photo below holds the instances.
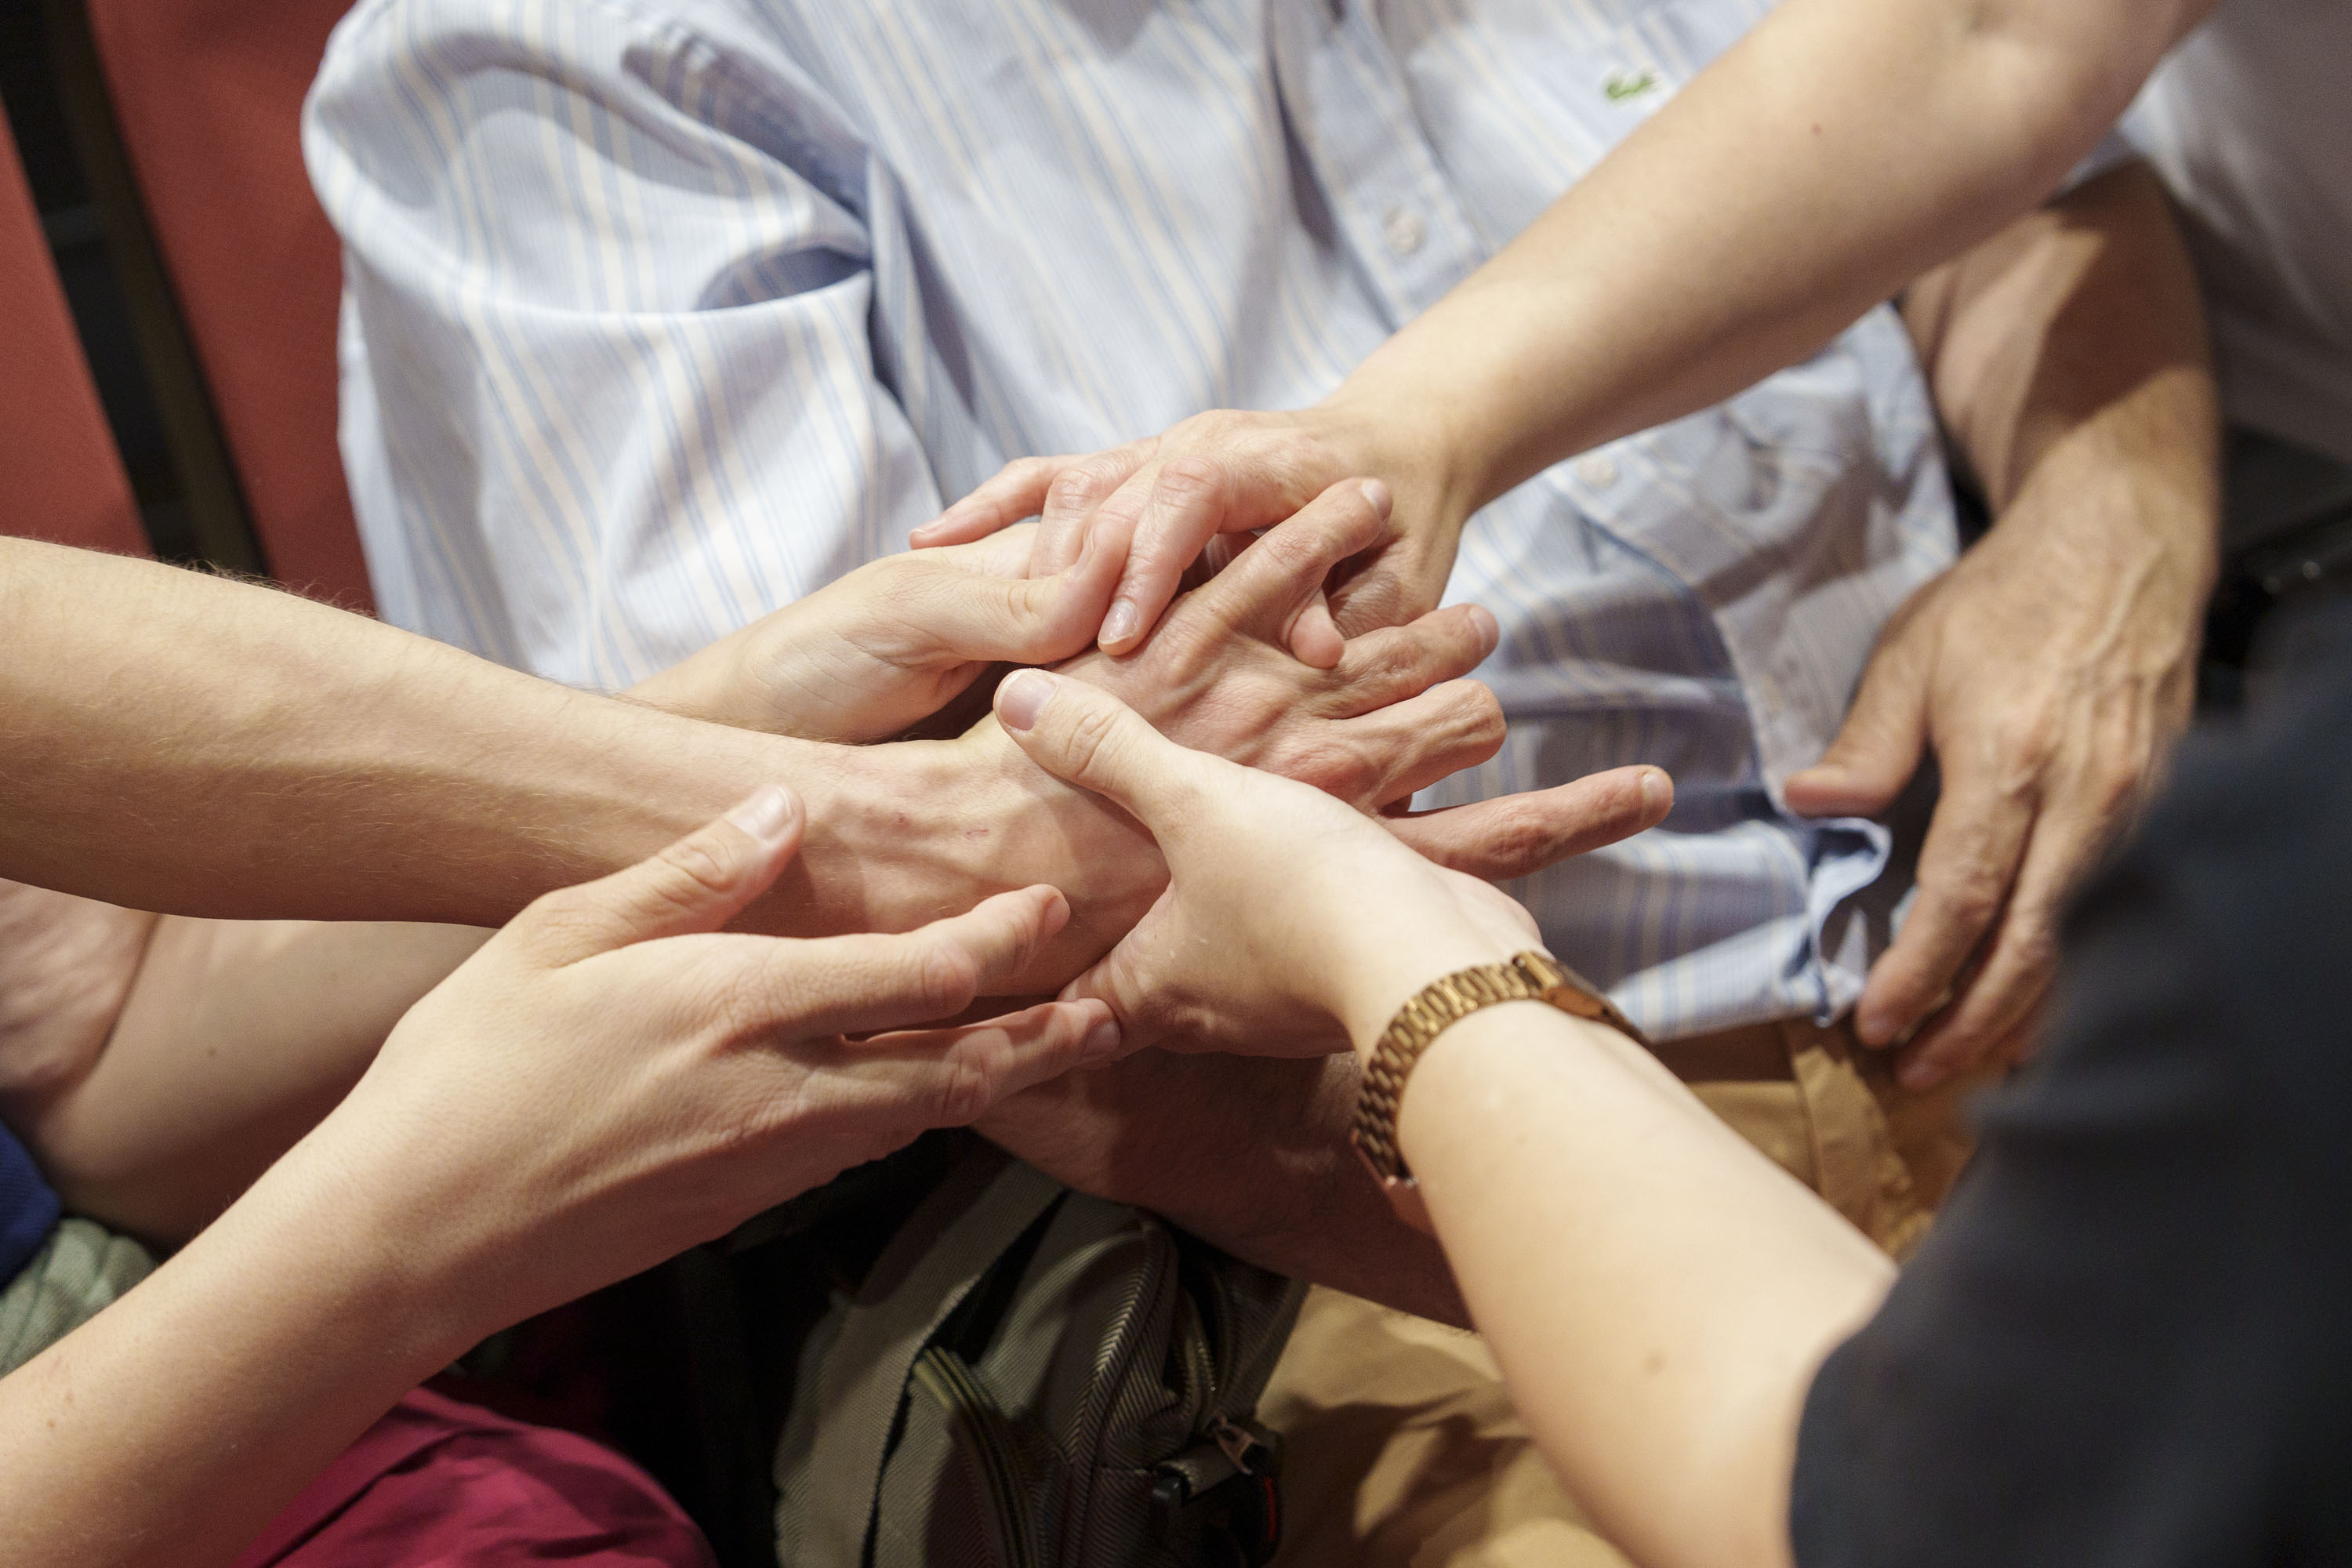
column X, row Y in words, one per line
column 28, row 1209
column 452, row 1485
column 2128, row 1343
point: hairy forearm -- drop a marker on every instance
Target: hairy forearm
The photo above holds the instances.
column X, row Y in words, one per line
column 176, row 742
column 1657, row 1293
column 2075, row 339
column 1832, row 156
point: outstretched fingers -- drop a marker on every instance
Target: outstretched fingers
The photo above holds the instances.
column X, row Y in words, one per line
column 952, row 1076
column 1519, row 835
column 849, row 985
column 1016, row 492
column 1390, row 665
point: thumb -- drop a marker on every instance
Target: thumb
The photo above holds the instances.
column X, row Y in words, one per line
column 698, row 884
column 1876, row 751
column 1084, row 735
column 1023, row 620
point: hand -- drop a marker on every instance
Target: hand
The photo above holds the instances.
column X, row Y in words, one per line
column 2049, row 669
column 1386, row 721
column 1291, row 925
column 607, row 1081
column 1154, row 505
column 892, row 643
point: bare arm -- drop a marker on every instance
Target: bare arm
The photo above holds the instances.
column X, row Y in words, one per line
column 176, row 742
column 1838, row 152
column 1835, row 153
column 608, row 1082
column 1659, row 1337
column 2049, row 669
column 1657, row 1293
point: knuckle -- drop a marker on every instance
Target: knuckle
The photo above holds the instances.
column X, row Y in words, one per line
column 946, row 979
column 567, row 918
column 1187, row 478
column 2024, row 740
column 1970, row 900
column 1331, row 762
column 1090, row 734
column 2114, row 787
column 1078, row 487
column 968, row 1083
column 700, row 867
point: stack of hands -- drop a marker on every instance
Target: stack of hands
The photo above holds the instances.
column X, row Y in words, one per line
column 1234, row 679
column 614, row 1076
column 1232, row 617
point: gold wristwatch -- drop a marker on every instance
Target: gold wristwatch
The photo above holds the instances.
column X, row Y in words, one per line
column 1526, row 977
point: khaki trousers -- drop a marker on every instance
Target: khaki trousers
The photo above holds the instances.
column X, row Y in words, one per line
column 1402, row 1451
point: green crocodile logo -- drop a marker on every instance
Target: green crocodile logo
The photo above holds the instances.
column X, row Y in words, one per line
column 1621, row 85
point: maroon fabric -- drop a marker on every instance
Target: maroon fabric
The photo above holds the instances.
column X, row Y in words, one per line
column 60, row 477
column 208, row 94
column 454, row 1486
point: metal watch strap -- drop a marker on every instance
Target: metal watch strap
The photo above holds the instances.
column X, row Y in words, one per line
column 1525, row 977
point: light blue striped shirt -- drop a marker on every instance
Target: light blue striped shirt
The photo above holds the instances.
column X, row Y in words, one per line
column 662, row 312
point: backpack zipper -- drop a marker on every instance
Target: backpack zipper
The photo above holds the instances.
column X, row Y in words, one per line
column 946, row 1378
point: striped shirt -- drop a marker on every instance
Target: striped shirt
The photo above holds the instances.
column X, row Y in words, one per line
column 661, row 312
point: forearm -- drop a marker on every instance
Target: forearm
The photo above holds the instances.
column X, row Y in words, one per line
column 1657, row 1293
column 2073, row 346
column 1248, row 1153
column 214, row 748
column 1829, row 158
column 234, row 1039
column 174, row 1425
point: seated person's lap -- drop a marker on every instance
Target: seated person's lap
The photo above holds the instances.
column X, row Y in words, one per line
column 1402, row 1449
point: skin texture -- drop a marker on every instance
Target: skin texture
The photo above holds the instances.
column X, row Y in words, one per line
column 1660, row 1340
column 2050, row 671
column 2047, row 673
column 1613, row 311
column 156, row 1066
column 608, row 1080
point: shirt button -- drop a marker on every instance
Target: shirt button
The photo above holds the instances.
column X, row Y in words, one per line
column 1596, row 470
column 1403, row 229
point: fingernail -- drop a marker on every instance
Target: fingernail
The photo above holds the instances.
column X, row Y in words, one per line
column 1377, row 495
column 1101, row 1041
column 763, row 815
column 1023, row 697
column 1490, row 630
column 1657, row 791
column 1120, row 624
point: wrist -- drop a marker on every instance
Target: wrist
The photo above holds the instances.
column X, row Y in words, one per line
column 1378, row 981
column 373, row 1249
column 1405, row 442
column 898, row 835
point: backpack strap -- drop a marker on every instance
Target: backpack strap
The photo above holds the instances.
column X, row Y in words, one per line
column 828, row 1491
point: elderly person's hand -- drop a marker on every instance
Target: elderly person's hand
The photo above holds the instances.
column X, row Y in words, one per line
column 874, row 652
column 1155, row 505
column 2049, row 671
column 1290, row 925
column 1388, row 718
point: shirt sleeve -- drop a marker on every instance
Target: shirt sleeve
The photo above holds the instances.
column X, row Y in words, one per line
column 2123, row 1346
column 609, row 390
